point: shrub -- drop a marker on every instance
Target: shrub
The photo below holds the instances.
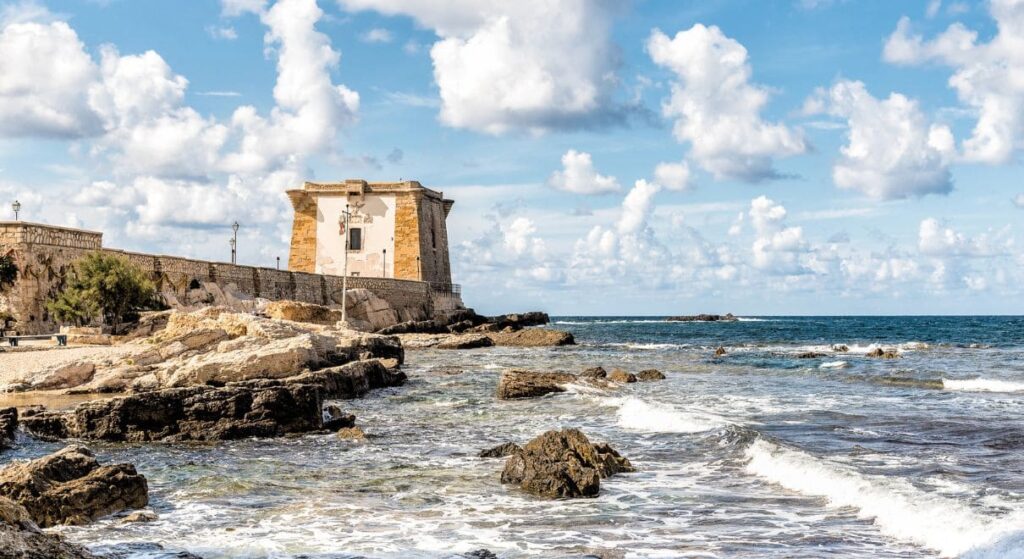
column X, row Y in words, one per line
column 106, row 286
column 8, row 272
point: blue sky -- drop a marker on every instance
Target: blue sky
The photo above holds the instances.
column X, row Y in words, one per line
column 793, row 157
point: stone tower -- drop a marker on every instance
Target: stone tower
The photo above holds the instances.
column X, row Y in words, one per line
column 396, row 230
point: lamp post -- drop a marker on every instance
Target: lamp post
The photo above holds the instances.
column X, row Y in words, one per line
column 234, row 243
column 278, row 262
column 16, row 206
column 384, row 263
column 343, row 222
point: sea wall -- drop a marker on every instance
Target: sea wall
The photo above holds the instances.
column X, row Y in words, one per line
column 44, row 255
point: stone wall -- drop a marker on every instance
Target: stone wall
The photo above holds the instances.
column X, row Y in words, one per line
column 44, row 255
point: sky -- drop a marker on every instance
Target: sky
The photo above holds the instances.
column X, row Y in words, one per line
column 606, row 157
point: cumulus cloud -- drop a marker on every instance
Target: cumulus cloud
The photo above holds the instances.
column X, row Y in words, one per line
column 892, row 151
column 531, row 65
column 1019, row 200
column 776, row 247
column 233, row 8
column 986, row 76
column 579, row 176
column 377, row 35
column 716, row 108
column 673, row 176
column 936, row 239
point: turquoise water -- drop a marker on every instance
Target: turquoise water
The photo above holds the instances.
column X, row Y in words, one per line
column 755, row 454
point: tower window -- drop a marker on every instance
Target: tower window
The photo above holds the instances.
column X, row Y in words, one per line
column 355, row 238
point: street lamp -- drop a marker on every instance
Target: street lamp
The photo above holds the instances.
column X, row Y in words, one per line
column 278, row 262
column 343, row 223
column 384, row 264
column 16, row 206
column 234, row 243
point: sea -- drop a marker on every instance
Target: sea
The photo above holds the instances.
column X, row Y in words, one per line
column 757, row 453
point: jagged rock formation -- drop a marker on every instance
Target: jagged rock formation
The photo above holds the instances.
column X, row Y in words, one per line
column 501, row 451
column 648, row 375
column 70, row 487
column 563, row 464
column 621, row 375
column 255, row 408
column 532, row 337
column 21, row 538
column 515, row 383
column 8, row 426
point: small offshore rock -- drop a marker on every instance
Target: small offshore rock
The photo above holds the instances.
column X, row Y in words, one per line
column 810, row 355
column 720, row 351
column 594, row 372
column 466, row 341
column 351, row 433
column 840, row 348
column 140, row 516
column 501, row 451
column 621, row 375
column 515, row 383
column 563, row 464
column 70, row 487
column 648, row 375
column 728, row 317
column 883, row 353
column 480, row 554
column 335, row 419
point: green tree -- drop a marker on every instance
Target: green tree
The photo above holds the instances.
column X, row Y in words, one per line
column 107, row 286
column 8, row 272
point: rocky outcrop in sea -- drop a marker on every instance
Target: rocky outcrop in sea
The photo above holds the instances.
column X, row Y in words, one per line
column 563, row 464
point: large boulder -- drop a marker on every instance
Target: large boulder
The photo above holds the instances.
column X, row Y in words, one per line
column 648, row 375
column 70, row 487
column 21, row 538
column 520, row 320
column 515, row 383
column 563, row 464
column 620, row 375
column 296, row 311
column 532, row 337
column 368, row 312
column 883, row 353
column 8, row 426
column 594, row 373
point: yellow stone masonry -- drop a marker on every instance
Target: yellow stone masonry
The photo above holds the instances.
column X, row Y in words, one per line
column 302, row 256
column 407, row 236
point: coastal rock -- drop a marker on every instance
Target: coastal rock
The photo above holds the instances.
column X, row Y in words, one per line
column 70, row 487
column 563, row 464
column 351, row 433
column 335, row 419
column 200, row 413
column 720, row 351
column 594, row 373
column 415, row 327
column 648, row 375
column 139, row 517
column 533, row 337
column 296, row 311
column 517, row 383
column 519, row 320
column 21, row 538
column 501, row 451
column 810, row 355
column 71, row 374
column 366, row 311
column 703, row 318
column 620, row 375
column 840, row 348
column 344, row 382
column 466, row 341
column 883, row 353
column 8, row 426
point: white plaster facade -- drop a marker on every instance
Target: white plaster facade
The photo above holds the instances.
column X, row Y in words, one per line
column 374, row 214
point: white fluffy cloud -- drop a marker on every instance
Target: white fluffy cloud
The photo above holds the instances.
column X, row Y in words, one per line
column 1019, row 200
column 936, row 239
column 988, row 76
column 44, row 74
column 530, row 65
column 673, row 176
column 717, row 109
column 579, row 176
column 776, row 248
column 892, row 151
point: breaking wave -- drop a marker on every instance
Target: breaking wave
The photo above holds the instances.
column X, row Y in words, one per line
column 638, row 415
column 982, row 385
column 899, row 509
column 834, row 365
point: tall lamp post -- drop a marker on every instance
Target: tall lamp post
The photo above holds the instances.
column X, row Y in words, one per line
column 343, row 222
column 234, row 243
column 16, row 206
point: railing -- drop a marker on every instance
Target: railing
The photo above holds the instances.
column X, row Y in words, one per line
column 449, row 288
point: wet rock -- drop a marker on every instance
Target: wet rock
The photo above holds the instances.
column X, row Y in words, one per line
column 139, row 517
column 21, row 538
column 533, row 337
column 501, row 451
column 810, row 355
column 515, row 383
column 351, row 433
column 466, row 341
column 620, row 375
column 563, row 464
column 346, row 381
column 200, row 413
column 703, row 318
column 8, row 426
column 480, row 554
column 461, row 326
column 415, row 327
column 883, row 353
column 720, row 351
column 133, row 550
column 70, row 487
column 520, row 320
column 841, row 348
column 594, row 372
column 648, row 375
column 335, row 419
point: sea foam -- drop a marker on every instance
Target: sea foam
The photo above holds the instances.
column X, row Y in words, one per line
column 982, row 385
column 639, row 415
column 899, row 509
